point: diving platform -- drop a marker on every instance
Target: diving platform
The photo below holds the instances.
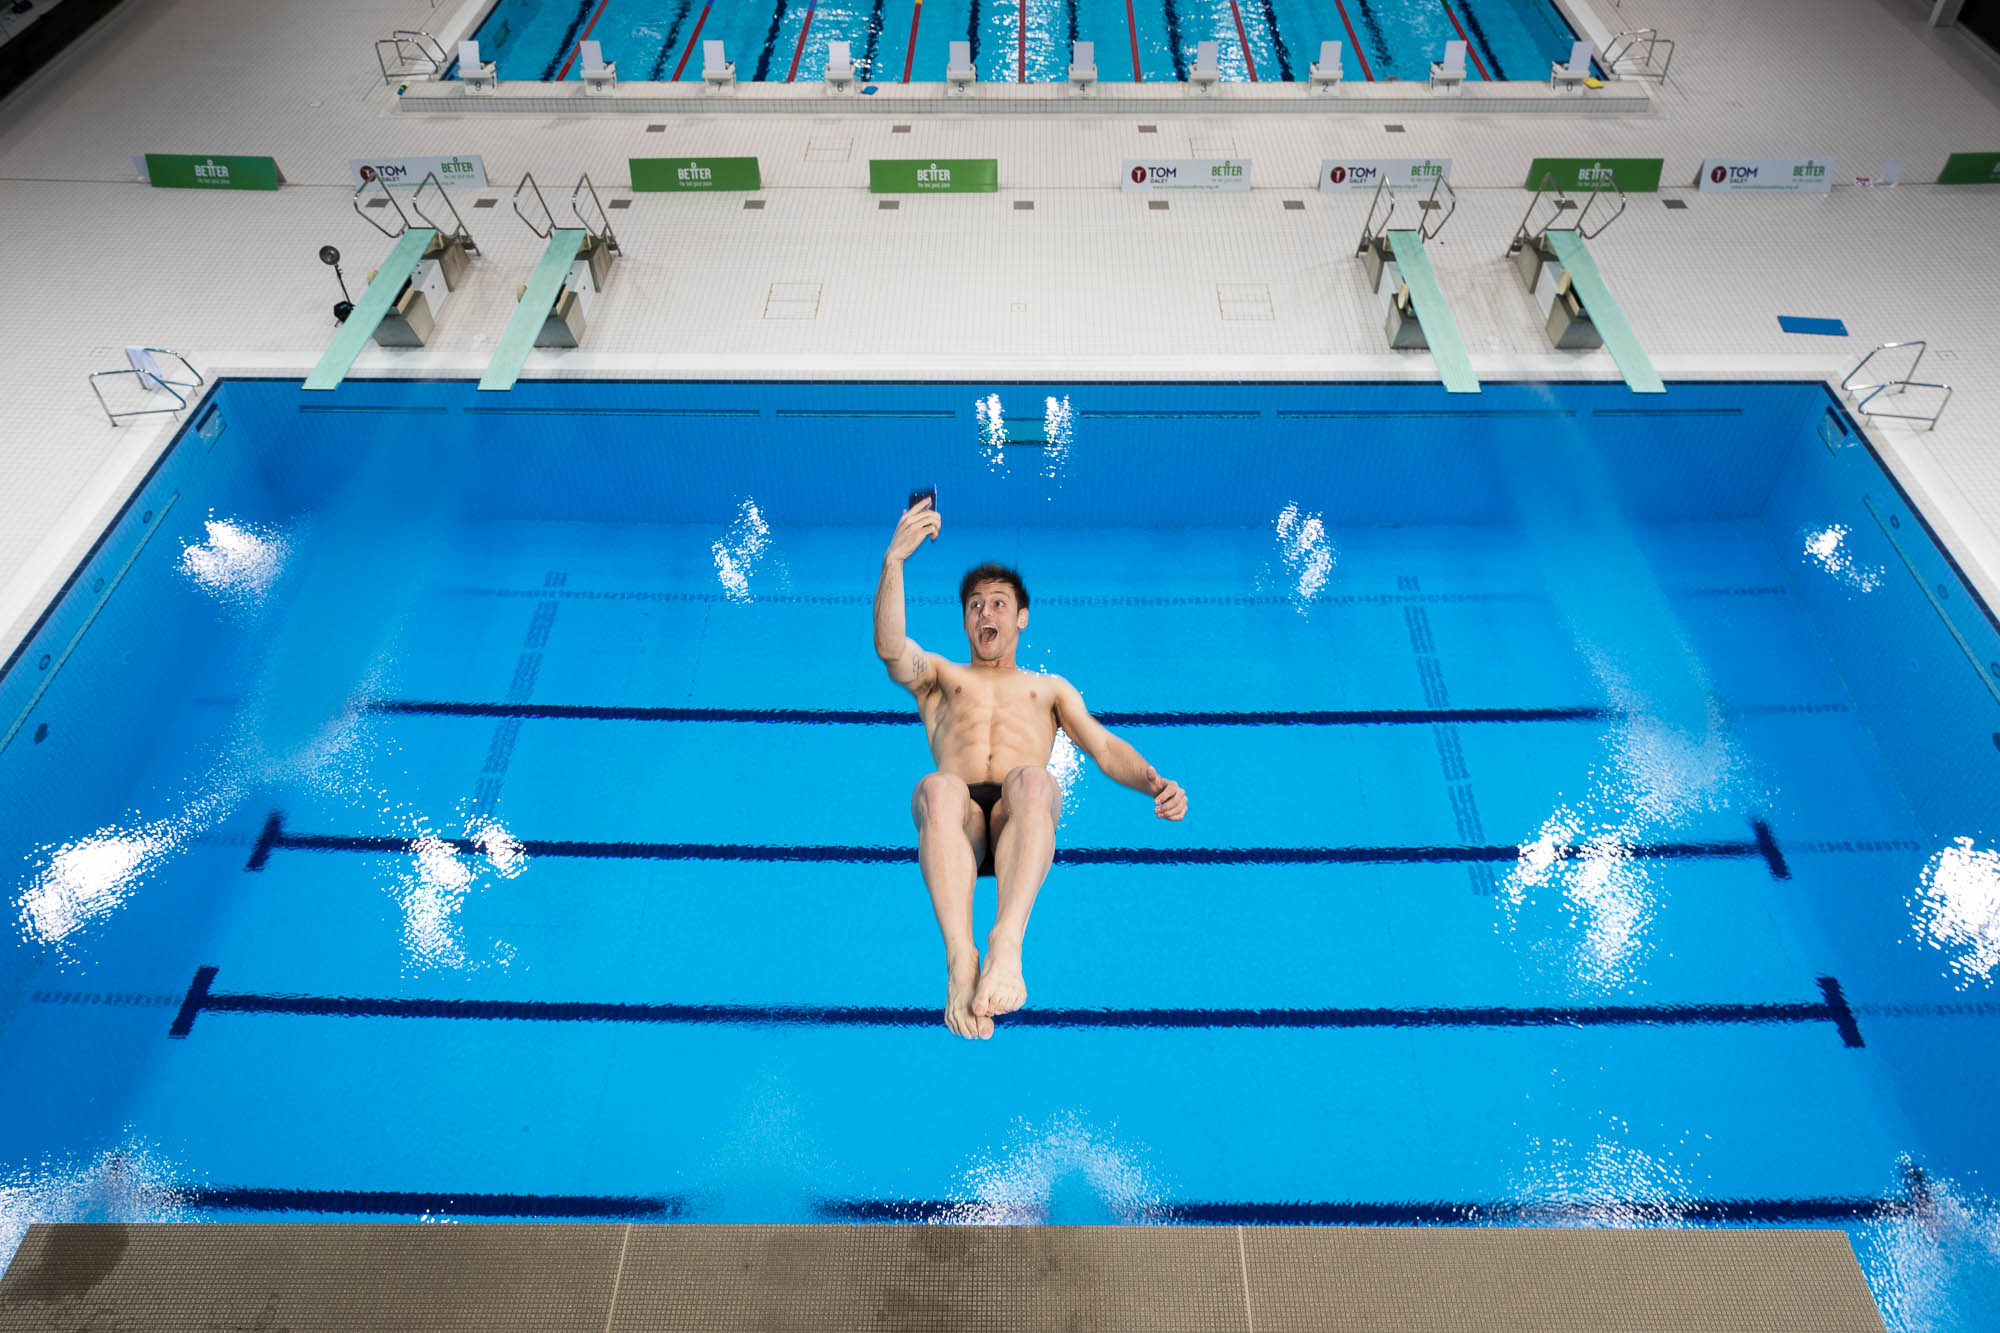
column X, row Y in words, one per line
column 537, row 306
column 1414, row 311
column 1578, row 309
column 385, row 290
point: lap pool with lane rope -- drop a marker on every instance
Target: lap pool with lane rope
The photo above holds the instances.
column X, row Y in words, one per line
column 423, row 807
column 891, row 41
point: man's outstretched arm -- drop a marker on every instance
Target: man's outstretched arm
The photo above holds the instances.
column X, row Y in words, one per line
column 908, row 665
column 1118, row 760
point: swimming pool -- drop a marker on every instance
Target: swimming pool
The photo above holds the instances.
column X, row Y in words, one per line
column 435, row 804
column 904, row 40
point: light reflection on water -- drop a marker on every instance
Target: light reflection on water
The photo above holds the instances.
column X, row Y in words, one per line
column 1612, row 1182
column 133, row 1182
column 1933, row 1268
column 1956, row 910
column 238, row 561
column 1825, row 548
column 1065, row 1163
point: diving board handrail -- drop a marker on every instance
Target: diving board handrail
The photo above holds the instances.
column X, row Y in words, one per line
column 1429, row 207
column 1522, row 236
column 602, row 231
column 388, row 194
column 1370, row 231
column 456, row 234
column 1595, row 195
column 528, row 183
column 1870, row 391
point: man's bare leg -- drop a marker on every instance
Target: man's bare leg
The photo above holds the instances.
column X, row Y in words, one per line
column 1024, row 846
column 951, row 834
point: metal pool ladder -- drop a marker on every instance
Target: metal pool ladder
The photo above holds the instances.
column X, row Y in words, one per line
column 1866, row 393
column 415, row 54
column 151, row 375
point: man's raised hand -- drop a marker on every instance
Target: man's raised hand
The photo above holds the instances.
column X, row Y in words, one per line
column 1169, row 801
column 919, row 521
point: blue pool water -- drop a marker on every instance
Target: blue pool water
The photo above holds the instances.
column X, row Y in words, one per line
column 1150, row 41
column 434, row 804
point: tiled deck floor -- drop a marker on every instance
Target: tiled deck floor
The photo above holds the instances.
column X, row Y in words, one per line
column 597, row 1278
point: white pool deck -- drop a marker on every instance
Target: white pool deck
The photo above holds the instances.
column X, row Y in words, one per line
column 1089, row 283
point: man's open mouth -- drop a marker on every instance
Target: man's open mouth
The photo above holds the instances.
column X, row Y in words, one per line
column 988, row 636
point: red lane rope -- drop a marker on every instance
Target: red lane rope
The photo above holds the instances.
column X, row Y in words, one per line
column 578, row 48
column 911, row 53
column 800, row 49
column 1354, row 42
column 1021, row 44
column 1244, row 38
column 1469, row 48
column 692, row 38
column 1132, row 27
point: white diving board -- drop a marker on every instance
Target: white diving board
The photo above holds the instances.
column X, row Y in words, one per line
column 1440, row 329
column 1602, row 307
column 360, row 324
column 532, row 310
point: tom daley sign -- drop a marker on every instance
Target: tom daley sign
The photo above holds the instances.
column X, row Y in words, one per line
column 1783, row 175
column 469, row 170
column 1366, row 173
column 1219, row 175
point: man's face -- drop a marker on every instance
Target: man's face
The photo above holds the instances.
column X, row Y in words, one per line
column 993, row 621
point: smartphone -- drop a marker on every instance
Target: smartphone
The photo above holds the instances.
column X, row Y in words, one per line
column 918, row 497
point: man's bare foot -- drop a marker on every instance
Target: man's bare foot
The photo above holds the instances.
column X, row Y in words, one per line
column 961, row 979
column 1002, row 989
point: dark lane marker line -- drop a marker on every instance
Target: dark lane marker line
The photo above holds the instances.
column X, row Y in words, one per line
column 1330, row 717
column 1357, row 1212
column 275, row 838
column 392, row 1202
column 201, row 998
column 1246, row 1212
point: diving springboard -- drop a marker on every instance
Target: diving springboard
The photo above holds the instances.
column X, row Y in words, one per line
column 359, row 327
column 532, row 311
column 1440, row 329
column 1603, row 310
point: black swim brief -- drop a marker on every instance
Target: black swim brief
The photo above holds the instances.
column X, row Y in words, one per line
column 986, row 795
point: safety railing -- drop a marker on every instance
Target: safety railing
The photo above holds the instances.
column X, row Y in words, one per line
column 388, row 200
column 535, row 193
column 150, row 377
column 1429, row 221
column 1561, row 203
column 602, row 230
column 1866, row 392
column 456, row 233
column 1639, row 53
column 414, row 55
column 1371, row 230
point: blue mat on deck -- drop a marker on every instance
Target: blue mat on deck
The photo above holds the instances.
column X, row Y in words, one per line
column 1833, row 328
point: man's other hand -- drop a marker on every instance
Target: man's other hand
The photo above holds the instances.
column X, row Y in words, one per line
column 1169, row 801
column 918, row 522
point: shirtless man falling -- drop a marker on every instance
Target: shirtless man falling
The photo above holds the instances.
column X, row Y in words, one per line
column 991, row 807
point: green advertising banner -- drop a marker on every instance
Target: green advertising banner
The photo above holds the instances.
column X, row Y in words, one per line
column 957, row 175
column 188, row 171
column 695, row 173
column 1634, row 175
column 1971, row 169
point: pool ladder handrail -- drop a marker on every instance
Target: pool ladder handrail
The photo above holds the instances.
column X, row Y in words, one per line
column 412, row 56
column 602, row 232
column 1625, row 43
column 1866, row 393
column 1564, row 204
column 158, row 380
column 389, row 195
column 457, row 233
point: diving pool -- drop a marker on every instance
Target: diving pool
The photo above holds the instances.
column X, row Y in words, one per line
column 434, row 804
column 909, row 40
